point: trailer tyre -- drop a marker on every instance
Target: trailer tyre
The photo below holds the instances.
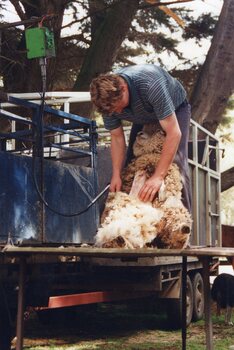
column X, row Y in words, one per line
column 174, row 307
column 198, row 291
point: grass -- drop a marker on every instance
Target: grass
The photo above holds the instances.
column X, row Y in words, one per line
column 112, row 327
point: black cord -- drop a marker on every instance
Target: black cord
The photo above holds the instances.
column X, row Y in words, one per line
column 65, row 214
column 40, row 194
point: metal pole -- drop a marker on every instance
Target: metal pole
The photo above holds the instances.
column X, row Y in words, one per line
column 184, row 301
column 38, row 168
column 207, row 300
column 93, row 148
column 20, row 311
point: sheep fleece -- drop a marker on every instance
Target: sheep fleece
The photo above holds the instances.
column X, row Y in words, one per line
column 130, row 223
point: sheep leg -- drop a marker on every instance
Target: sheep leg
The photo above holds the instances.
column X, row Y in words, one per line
column 138, row 182
column 218, row 310
column 228, row 315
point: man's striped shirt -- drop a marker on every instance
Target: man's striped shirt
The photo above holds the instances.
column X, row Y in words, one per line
column 154, row 95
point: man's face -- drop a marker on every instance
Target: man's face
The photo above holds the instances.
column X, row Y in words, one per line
column 123, row 102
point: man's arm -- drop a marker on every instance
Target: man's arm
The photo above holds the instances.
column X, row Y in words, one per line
column 170, row 146
column 118, row 148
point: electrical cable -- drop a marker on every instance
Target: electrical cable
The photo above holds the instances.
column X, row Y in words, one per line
column 41, row 158
column 72, row 214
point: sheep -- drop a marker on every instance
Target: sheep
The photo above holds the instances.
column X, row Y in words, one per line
column 130, row 223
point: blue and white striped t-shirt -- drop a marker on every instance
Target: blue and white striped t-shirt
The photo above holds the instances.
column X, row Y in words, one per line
column 154, row 95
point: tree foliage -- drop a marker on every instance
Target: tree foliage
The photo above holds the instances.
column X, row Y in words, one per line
column 201, row 28
column 144, row 31
column 110, row 33
column 214, row 85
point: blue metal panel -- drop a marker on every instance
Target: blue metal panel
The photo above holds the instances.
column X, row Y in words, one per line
column 68, row 189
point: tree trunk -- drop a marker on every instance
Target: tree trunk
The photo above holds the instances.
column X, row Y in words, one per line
column 215, row 83
column 110, row 33
column 227, row 179
column 106, row 42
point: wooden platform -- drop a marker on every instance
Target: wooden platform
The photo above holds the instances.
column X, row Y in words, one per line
column 118, row 252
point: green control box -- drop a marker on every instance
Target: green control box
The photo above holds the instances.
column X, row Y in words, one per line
column 39, row 42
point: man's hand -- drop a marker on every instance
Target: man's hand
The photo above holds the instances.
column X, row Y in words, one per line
column 150, row 189
column 115, row 184
column 173, row 135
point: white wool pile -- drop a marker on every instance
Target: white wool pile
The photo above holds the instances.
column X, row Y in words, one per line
column 129, row 218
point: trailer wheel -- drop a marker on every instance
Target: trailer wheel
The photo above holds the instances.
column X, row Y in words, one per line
column 174, row 307
column 198, row 291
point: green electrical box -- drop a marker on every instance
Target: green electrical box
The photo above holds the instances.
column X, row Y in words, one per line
column 39, row 42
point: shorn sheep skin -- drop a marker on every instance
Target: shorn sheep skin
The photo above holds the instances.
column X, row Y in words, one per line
column 130, row 223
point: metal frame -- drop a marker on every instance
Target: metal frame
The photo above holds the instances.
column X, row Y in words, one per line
column 68, row 121
column 200, row 164
column 44, row 140
column 70, row 129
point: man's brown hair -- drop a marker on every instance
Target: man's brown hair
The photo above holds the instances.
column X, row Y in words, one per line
column 105, row 91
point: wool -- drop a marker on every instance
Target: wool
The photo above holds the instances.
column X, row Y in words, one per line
column 129, row 218
column 130, row 223
column 147, row 163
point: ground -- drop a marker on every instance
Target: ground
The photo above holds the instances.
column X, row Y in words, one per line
column 118, row 327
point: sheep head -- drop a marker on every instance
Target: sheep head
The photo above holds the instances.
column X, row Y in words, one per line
column 148, row 143
column 174, row 228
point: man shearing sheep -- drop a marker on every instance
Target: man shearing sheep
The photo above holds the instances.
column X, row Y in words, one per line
column 145, row 94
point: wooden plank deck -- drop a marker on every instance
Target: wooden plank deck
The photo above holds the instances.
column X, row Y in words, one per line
column 119, row 252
